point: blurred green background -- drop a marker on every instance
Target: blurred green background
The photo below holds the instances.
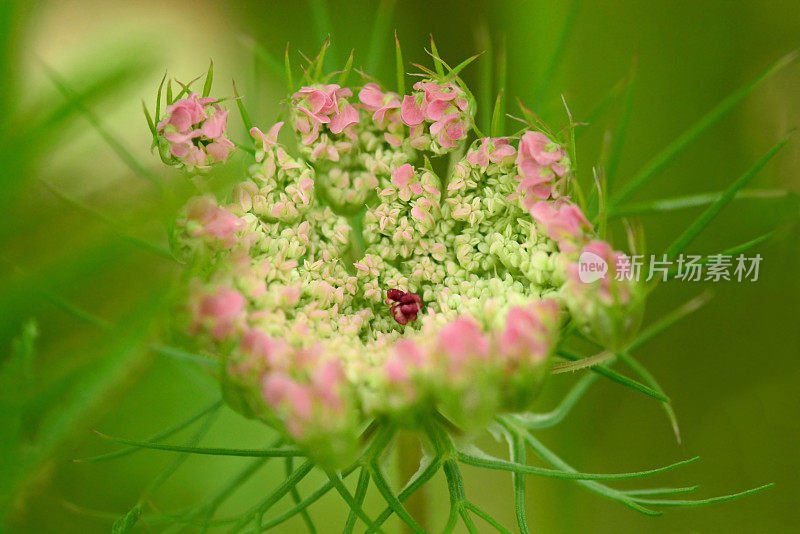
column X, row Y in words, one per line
column 74, row 208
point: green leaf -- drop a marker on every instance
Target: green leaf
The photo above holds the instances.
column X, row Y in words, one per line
column 67, row 306
column 278, row 452
column 618, row 378
column 391, row 499
column 676, row 148
column 125, row 523
column 703, row 502
column 118, row 231
column 583, row 363
column 535, row 421
column 490, row 462
column 551, row 458
column 174, row 429
column 304, row 504
column 380, row 34
column 361, row 492
column 285, row 487
column 518, row 455
column 708, row 215
column 209, row 80
column 670, row 319
column 661, row 491
column 651, row 381
column 489, row 519
column 350, row 500
column 182, row 355
column 428, row 468
column 399, row 68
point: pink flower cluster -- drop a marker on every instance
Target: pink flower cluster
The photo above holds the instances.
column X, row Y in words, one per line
column 207, row 220
column 302, row 386
column 194, row 131
column 444, row 106
column 327, row 106
column 385, row 109
column 607, row 288
column 496, row 150
column 563, row 222
column 461, row 354
column 608, row 308
column 219, row 313
column 540, row 162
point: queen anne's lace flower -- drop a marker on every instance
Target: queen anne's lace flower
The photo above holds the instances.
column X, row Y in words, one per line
column 356, row 281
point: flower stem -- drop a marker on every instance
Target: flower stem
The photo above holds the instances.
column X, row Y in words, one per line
column 409, row 452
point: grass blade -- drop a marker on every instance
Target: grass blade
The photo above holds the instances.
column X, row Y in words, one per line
column 115, row 145
column 674, row 149
column 380, row 34
column 692, row 201
column 622, row 127
column 555, row 56
column 485, row 72
column 708, row 215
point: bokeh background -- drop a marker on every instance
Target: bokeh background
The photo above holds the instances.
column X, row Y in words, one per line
column 75, row 210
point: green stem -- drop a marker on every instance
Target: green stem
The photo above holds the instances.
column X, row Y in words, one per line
column 409, row 452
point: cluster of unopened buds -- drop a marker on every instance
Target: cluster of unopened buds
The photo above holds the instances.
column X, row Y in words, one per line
column 308, row 282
